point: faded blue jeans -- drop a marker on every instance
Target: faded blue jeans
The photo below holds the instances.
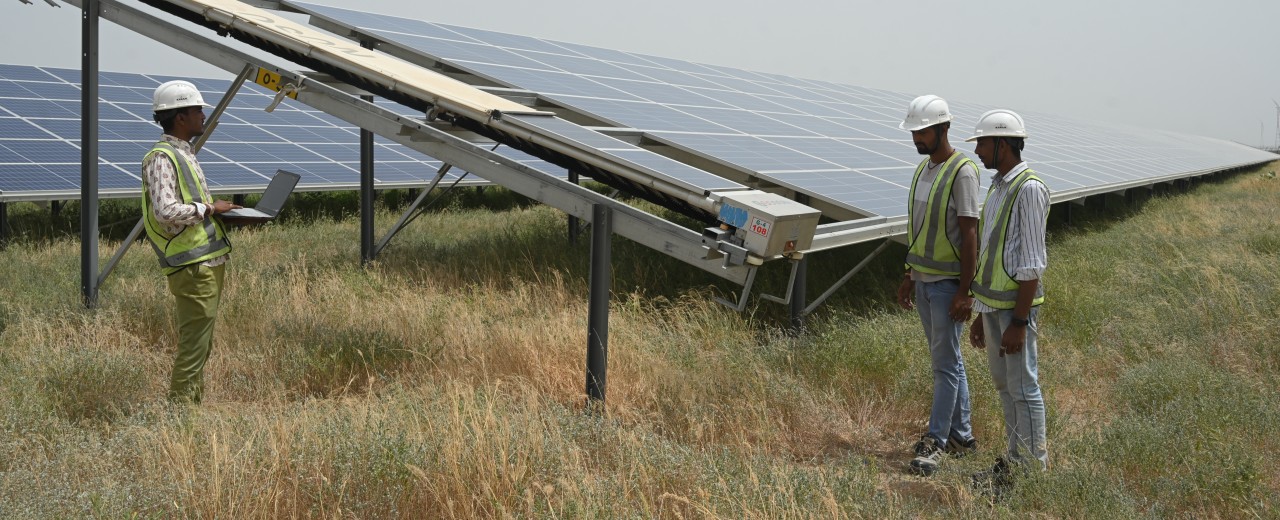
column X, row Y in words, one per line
column 950, row 414
column 1018, row 381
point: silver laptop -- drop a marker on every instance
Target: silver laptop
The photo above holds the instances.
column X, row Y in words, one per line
column 272, row 200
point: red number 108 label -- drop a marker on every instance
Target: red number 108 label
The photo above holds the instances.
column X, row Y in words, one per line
column 759, row 227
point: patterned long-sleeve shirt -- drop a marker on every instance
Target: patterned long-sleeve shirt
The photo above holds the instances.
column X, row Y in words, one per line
column 160, row 181
column 1025, row 254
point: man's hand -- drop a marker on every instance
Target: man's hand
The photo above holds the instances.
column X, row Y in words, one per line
column 906, row 293
column 961, row 307
column 1013, row 339
column 976, row 337
column 222, row 206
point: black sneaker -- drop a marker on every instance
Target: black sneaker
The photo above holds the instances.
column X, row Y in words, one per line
column 928, row 455
column 957, row 447
column 996, row 481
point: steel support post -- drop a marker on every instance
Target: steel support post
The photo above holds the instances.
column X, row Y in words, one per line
column 573, row 221
column 598, row 314
column 367, row 251
column 89, row 153
column 798, row 296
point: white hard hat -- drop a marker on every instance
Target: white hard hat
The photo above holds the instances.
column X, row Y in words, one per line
column 176, row 94
column 999, row 123
column 924, row 112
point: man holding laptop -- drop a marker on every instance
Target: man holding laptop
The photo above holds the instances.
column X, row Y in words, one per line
column 186, row 230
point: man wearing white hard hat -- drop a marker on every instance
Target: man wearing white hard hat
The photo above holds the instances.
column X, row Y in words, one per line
column 183, row 228
column 941, row 254
column 1011, row 261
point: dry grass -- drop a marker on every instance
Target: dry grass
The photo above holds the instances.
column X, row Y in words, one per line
column 447, row 382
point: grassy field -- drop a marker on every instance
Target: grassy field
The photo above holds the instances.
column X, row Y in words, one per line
column 446, row 381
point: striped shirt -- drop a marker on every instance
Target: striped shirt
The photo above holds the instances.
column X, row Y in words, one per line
column 160, row 181
column 1025, row 254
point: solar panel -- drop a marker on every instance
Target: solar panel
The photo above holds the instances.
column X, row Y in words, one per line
column 835, row 143
column 40, row 139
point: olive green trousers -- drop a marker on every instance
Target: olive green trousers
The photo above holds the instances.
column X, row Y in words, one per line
column 197, row 291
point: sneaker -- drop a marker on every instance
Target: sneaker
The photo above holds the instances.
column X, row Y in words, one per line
column 928, row 454
column 958, row 447
column 996, row 481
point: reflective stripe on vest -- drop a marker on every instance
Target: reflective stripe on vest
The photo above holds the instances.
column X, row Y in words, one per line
column 935, row 254
column 211, row 240
column 994, row 285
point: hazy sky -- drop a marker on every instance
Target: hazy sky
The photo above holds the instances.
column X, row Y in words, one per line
column 1207, row 68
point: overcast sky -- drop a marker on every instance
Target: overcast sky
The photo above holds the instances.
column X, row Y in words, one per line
column 1206, row 68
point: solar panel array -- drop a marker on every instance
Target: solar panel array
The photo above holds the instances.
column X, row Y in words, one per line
column 834, row 142
column 40, row 138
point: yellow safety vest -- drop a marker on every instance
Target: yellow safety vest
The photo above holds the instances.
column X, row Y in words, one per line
column 994, row 285
column 935, row 254
column 194, row 244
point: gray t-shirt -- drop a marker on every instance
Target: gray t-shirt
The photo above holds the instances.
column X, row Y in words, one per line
column 964, row 203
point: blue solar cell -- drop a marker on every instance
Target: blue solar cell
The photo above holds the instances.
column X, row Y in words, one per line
column 838, row 152
column 53, row 151
column 338, row 152
column 230, row 174
column 675, row 77
column 745, row 121
column 675, row 170
column 550, row 83
column 644, row 115
column 749, row 152
column 123, row 152
column 243, row 133
column 123, row 94
column 571, row 131
column 15, row 89
column 407, row 171
column 9, row 156
column 40, row 108
column 511, row 41
column 14, row 128
column 584, row 66
column 661, row 93
column 609, row 55
column 278, row 117
column 464, row 51
column 32, row 177
column 904, row 151
column 680, row 65
column 21, row 72
column 328, row 173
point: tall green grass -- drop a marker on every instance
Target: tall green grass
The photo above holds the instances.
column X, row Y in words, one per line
column 446, row 380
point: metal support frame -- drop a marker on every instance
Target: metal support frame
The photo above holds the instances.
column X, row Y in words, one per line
column 408, row 212
column 574, row 228
column 89, row 153
column 845, row 279
column 210, row 124
column 367, row 251
column 799, row 286
column 799, row 282
column 601, row 282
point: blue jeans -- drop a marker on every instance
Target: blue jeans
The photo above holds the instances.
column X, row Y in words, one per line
column 1017, row 379
column 950, row 415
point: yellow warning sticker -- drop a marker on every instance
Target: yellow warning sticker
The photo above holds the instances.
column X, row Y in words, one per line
column 272, row 81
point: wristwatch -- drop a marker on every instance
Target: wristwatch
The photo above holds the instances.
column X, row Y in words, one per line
column 1018, row 321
